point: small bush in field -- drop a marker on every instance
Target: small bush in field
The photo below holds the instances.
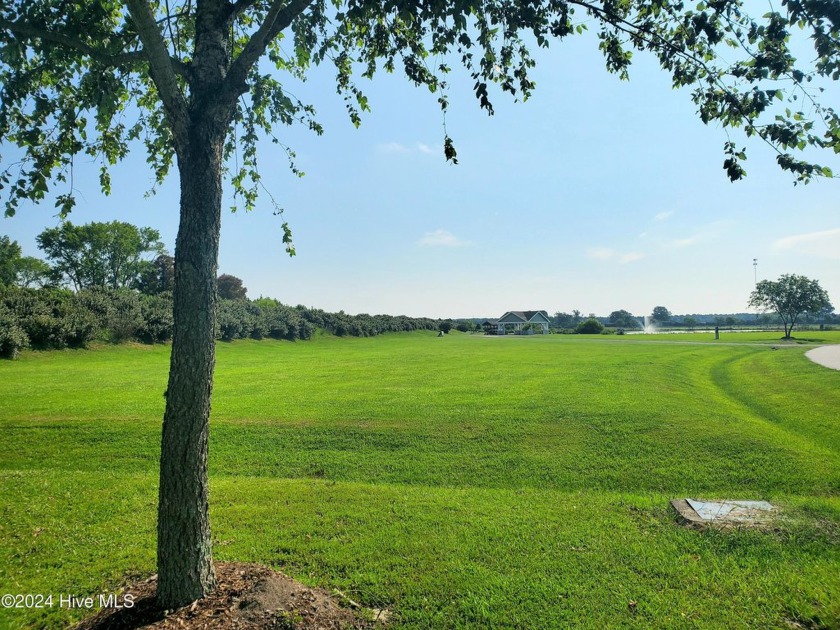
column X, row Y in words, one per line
column 157, row 320
column 589, row 327
column 13, row 338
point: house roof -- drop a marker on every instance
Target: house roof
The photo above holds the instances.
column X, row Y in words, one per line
column 490, row 322
column 525, row 316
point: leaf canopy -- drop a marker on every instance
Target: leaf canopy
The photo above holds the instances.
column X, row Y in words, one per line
column 100, row 254
column 790, row 296
column 94, row 79
column 10, row 256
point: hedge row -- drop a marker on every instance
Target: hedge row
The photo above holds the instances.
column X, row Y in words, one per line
column 58, row 318
column 240, row 319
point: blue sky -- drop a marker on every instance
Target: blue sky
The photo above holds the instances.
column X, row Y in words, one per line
column 596, row 195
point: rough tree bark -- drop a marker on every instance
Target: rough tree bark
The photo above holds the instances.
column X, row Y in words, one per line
column 200, row 126
column 185, row 570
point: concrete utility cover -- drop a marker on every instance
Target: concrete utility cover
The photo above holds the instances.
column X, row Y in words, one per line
column 727, row 510
column 743, row 513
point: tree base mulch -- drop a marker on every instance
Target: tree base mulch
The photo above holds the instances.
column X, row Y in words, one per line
column 247, row 597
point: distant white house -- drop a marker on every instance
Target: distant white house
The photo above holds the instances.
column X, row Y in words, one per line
column 523, row 323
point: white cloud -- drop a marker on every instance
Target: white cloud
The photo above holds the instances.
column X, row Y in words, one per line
column 662, row 216
column 709, row 232
column 688, row 241
column 605, row 254
column 601, row 253
column 393, row 147
column 631, row 257
column 442, row 238
column 825, row 244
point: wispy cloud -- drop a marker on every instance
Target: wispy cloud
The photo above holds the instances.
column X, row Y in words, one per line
column 442, row 238
column 630, row 257
column 662, row 216
column 825, row 244
column 708, row 232
column 395, row 148
column 606, row 254
column 600, row 253
column 688, row 241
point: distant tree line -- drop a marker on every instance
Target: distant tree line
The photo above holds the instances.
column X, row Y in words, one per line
column 821, row 314
column 266, row 317
column 113, row 282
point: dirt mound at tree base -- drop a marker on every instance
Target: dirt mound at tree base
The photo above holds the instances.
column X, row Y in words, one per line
column 247, row 597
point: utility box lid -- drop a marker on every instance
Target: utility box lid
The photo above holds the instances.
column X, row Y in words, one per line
column 728, row 510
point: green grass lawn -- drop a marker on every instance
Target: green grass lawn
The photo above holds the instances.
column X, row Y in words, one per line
column 460, row 481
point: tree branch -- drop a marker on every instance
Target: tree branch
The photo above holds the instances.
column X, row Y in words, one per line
column 238, row 7
column 22, row 29
column 656, row 39
column 161, row 67
column 279, row 17
column 30, row 31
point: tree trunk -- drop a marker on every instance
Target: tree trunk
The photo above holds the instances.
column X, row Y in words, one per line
column 185, row 568
column 788, row 327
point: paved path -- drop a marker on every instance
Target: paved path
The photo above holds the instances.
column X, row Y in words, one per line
column 829, row 356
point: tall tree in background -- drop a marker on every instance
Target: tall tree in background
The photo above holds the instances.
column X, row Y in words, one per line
column 230, row 287
column 34, row 273
column 563, row 320
column 25, row 271
column 159, row 276
column 660, row 314
column 92, row 77
column 624, row 319
column 789, row 297
column 100, row 254
column 9, row 260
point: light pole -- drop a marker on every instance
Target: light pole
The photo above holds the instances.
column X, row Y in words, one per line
column 755, row 271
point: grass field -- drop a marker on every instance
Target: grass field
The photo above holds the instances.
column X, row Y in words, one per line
column 462, row 482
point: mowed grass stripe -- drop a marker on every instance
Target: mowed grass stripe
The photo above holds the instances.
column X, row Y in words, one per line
column 568, row 416
column 439, row 557
column 798, row 396
column 463, row 482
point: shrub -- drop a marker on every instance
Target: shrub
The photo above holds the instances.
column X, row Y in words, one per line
column 277, row 321
column 57, row 318
column 125, row 317
column 13, row 338
column 43, row 330
column 234, row 320
column 305, row 330
column 590, row 326
column 78, row 326
column 51, row 318
column 97, row 301
column 69, row 326
column 117, row 312
column 157, row 321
